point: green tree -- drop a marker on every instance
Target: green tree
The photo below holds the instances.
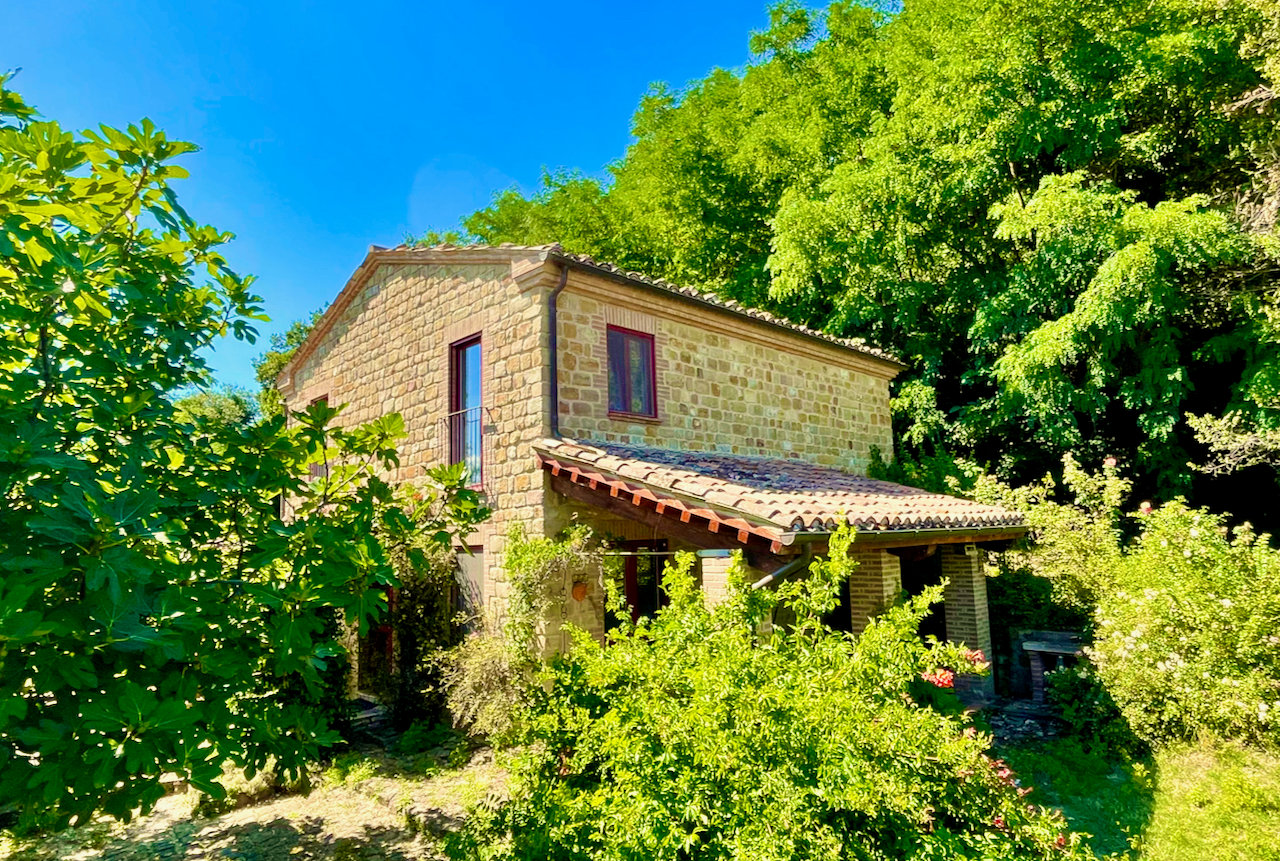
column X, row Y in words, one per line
column 156, row 613
column 1061, row 215
column 225, row 404
column 267, row 366
column 700, row 734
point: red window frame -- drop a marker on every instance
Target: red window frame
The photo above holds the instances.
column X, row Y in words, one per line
column 466, row 434
column 624, row 337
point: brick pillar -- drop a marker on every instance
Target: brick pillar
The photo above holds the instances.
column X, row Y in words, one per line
column 873, row 585
column 965, row 604
column 715, row 575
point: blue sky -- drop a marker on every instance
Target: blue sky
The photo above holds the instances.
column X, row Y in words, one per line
column 328, row 127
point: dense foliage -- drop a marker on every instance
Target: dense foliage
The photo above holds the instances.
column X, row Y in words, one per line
column 225, row 405
column 280, row 349
column 1187, row 640
column 1183, row 609
column 1060, row 214
column 489, row 678
column 705, row 734
column 157, row 615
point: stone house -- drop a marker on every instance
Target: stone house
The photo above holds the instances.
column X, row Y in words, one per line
column 664, row 417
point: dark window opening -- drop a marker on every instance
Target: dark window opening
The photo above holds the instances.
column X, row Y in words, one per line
column 919, row 572
column 468, row 587
column 465, row 420
column 841, row 616
column 631, row 373
column 642, row 571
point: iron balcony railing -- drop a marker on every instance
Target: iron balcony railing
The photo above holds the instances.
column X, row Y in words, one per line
column 464, row 430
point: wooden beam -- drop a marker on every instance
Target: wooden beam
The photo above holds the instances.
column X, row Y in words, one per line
column 982, row 537
column 683, row 527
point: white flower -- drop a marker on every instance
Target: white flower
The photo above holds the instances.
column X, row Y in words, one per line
column 1186, row 553
column 1195, row 533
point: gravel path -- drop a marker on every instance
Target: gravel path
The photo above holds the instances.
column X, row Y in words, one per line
column 337, row 824
column 351, row 817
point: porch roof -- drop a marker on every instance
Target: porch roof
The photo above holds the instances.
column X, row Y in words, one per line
column 781, row 501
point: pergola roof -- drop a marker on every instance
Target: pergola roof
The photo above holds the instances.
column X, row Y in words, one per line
column 768, row 498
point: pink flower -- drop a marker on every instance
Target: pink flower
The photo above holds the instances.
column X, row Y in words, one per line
column 941, row 678
column 1145, row 507
column 976, row 658
column 1109, row 463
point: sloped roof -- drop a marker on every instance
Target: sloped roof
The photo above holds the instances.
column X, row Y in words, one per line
column 417, row 254
column 771, row 497
column 703, row 297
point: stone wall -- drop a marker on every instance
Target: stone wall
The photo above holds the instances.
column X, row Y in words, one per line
column 386, row 348
column 723, row 384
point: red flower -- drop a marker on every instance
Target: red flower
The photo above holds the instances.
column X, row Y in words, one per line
column 941, row 678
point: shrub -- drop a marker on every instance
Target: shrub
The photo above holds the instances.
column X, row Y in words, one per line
column 1188, row 638
column 422, row 618
column 156, row 614
column 1091, row 714
column 702, row 734
column 488, row 677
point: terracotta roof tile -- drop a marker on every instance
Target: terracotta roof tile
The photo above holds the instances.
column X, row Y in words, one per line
column 787, row 495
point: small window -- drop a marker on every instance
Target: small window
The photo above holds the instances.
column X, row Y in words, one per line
column 631, row 373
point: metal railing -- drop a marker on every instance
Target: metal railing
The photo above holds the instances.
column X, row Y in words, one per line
column 464, row 430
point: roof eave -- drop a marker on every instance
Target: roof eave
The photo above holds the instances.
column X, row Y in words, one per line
column 569, row 260
column 889, row 538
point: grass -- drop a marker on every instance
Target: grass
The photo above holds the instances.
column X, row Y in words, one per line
column 1213, row 801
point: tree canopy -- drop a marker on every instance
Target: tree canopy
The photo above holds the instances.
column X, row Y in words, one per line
column 157, row 615
column 1060, row 215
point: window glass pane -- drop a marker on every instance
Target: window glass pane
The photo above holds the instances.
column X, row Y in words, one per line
column 648, row 400
column 638, row 368
column 617, row 372
column 466, row 421
column 470, row 585
column 470, row 394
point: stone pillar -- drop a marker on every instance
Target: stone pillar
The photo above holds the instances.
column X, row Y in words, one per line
column 965, row 603
column 873, row 586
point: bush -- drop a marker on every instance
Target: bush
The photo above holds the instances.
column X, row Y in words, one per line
column 705, row 734
column 422, row 617
column 1188, row 638
column 488, row 678
column 1089, row 710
